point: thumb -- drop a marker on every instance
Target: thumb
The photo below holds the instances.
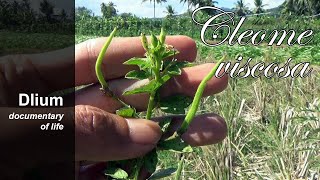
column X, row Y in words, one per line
column 102, row 136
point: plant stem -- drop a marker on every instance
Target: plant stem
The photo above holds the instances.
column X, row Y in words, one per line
column 150, row 105
column 98, row 67
column 137, row 169
column 196, row 100
column 156, row 71
column 180, row 167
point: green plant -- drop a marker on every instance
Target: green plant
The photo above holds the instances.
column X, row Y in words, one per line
column 158, row 71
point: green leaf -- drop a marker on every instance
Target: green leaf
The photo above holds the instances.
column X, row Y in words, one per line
column 137, row 74
column 152, row 86
column 143, row 63
column 175, row 144
column 147, row 88
column 183, row 64
column 174, row 67
column 151, row 161
column 174, row 70
column 162, row 173
column 175, row 104
column 165, row 124
column 126, row 112
column 116, row 173
column 170, row 53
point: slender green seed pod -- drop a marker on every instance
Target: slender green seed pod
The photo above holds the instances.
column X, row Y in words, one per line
column 196, row 100
column 154, row 40
column 144, row 41
column 99, row 61
column 162, row 36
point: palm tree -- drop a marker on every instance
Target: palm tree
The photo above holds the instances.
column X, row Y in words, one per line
column 47, row 9
column 108, row 10
column 190, row 3
column 211, row 3
column 302, row 7
column 288, row 6
column 170, row 11
column 241, row 8
column 103, row 8
column 154, row 5
column 207, row 3
column 259, row 6
column 316, row 6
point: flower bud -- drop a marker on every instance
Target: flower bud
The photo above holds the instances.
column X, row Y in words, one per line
column 154, row 40
column 144, row 41
column 162, row 36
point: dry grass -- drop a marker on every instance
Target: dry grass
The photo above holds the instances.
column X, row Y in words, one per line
column 274, row 131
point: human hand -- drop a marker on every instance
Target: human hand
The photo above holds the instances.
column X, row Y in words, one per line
column 100, row 135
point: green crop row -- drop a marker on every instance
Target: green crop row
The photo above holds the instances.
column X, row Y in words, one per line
column 185, row 26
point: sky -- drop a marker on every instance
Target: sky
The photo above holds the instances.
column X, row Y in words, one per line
column 146, row 9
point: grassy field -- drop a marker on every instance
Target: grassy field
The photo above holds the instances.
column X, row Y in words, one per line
column 19, row 42
column 273, row 124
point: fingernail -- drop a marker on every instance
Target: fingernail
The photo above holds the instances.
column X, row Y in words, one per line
column 144, row 131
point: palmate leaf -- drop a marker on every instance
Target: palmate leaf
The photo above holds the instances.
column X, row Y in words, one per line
column 116, row 173
column 175, row 144
column 151, row 161
column 174, row 67
column 162, row 173
column 175, row 104
column 137, row 74
column 183, row 64
column 170, row 53
column 126, row 112
column 174, row 70
column 148, row 88
column 143, row 63
column 152, row 86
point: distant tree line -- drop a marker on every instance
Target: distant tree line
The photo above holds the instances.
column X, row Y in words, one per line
column 108, row 10
column 20, row 16
column 289, row 7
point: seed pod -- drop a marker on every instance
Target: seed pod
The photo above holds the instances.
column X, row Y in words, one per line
column 162, row 36
column 154, row 40
column 144, row 41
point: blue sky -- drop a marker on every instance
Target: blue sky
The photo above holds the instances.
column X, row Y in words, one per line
column 146, row 9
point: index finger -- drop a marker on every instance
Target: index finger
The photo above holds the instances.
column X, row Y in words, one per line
column 120, row 50
column 71, row 67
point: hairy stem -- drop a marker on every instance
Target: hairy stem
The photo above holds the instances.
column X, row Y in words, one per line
column 150, row 105
column 196, row 100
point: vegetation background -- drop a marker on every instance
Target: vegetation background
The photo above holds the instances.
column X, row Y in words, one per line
column 274, row 124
